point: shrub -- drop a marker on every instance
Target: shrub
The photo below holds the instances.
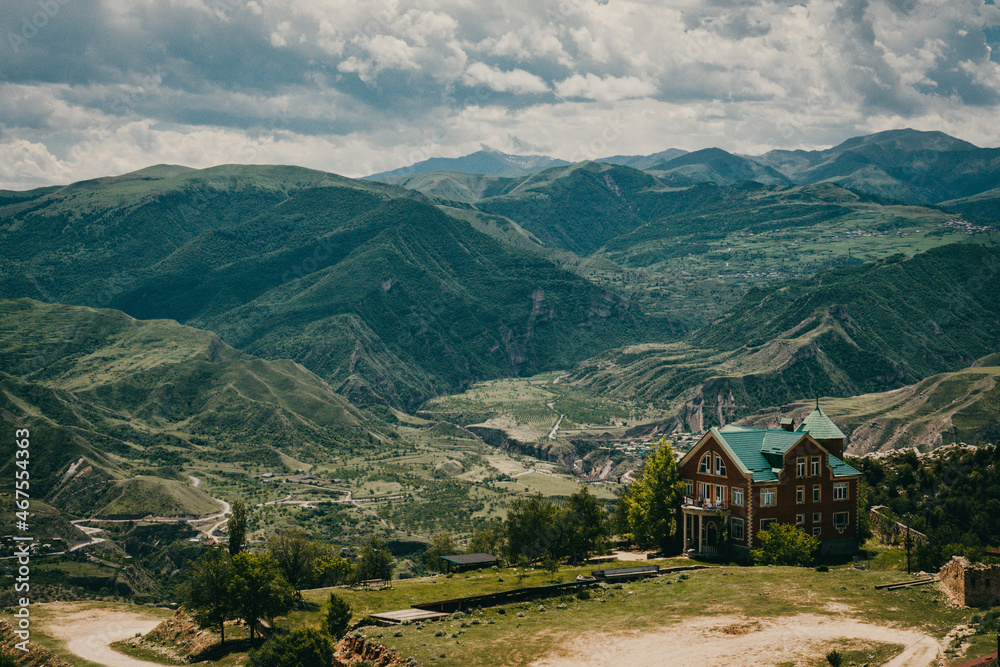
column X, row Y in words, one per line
column 834, row 658
column 337, row 617
column 306, row 647
column 785, row 544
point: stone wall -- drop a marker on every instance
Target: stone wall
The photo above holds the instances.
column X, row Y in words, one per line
column 971, row 585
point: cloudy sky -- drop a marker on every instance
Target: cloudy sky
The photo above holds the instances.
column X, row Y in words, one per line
column 98, row 87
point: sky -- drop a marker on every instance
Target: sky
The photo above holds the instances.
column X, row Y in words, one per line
column 99, row 87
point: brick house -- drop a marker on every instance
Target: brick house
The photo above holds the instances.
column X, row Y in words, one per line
column 738, row 480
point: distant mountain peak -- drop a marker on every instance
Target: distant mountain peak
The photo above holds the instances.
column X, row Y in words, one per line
column 487, row 160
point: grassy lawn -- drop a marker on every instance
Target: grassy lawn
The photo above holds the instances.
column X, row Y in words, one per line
column 534, row 629
column 527, row 631
column 524, row 632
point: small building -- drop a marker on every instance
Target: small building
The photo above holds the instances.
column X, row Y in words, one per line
column 462, row 562
column 738, row 480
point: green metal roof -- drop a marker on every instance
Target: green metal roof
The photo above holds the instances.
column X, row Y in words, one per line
column 820, row 427
column 758, row 449
column 840, row 469
column 762, row 451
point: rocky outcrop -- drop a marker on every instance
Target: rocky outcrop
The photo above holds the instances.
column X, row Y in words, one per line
column 355, row 647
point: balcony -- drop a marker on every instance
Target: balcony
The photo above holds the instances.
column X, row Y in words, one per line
column 701, row 503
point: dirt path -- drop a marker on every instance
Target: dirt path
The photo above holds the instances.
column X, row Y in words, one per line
column 724, row 641
column 87, row 634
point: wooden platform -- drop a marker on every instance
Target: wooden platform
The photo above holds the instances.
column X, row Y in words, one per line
column 411, row 615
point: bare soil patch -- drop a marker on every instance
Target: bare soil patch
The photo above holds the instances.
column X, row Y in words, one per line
column 88, row 632
column 737, row 640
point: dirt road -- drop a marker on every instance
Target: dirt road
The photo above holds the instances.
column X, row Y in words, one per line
column 88, row 632
column 720, row 640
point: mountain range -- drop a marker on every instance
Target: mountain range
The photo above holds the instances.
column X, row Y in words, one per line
column 393, row 293
column 908, row 166
column 382, row 294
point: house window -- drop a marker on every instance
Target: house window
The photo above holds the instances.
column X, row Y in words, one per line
column 705, row 491
column 840, row 491
column 817, row 493
column 815, row 466
column 800, row 519
column 800, row 466
column 841, row 520
column 768, row 497
column 720, row 466
column 688, row 487
column 764, row 523
column 817, row 530
column 800, row 494
column 738, row 497
column 736, row 528
column 817, row 517
column 706, row 464
column 720, row 494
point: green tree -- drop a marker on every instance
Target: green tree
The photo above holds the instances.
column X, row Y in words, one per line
column 374, row 561
column 258, row 589
column 237, row 527
column 785, row 544
column 531, row 529
column 296, row 555
column 337, row 618
column 442, row 544
column 551, row 565
column 652, row 502
column 7, row 660
column 587, row 525
column 332, row 571
column 865, row 529
column 305, row 647
column 488, row 540
column 206, row 593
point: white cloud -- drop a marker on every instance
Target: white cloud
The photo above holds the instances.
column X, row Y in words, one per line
column 514, row 81
column 605, row 89
column 360, row 87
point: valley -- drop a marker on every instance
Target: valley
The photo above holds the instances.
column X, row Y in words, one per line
column 411, row 357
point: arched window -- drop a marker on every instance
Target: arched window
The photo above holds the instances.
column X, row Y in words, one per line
column 706, row 464
column 720, row 466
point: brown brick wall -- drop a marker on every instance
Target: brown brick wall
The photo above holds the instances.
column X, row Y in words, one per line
column 787, row 508
column 733, row 479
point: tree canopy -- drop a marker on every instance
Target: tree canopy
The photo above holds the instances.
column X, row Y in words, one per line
column 296, row 555
column 374, row 561
column 785, row 544
column 207, row 592
column 258, row 588
column 337, row 618
column 651, row 504
column 237, row 526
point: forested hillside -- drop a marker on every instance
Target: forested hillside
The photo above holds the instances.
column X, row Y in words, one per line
column 384, row 296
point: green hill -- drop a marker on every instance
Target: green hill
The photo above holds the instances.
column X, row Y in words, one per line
column 119, row 393
column 943, row 409
column 577, row 207
column 718, row 166
column 905, row 165
column 842, row 332
column 380, row 293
